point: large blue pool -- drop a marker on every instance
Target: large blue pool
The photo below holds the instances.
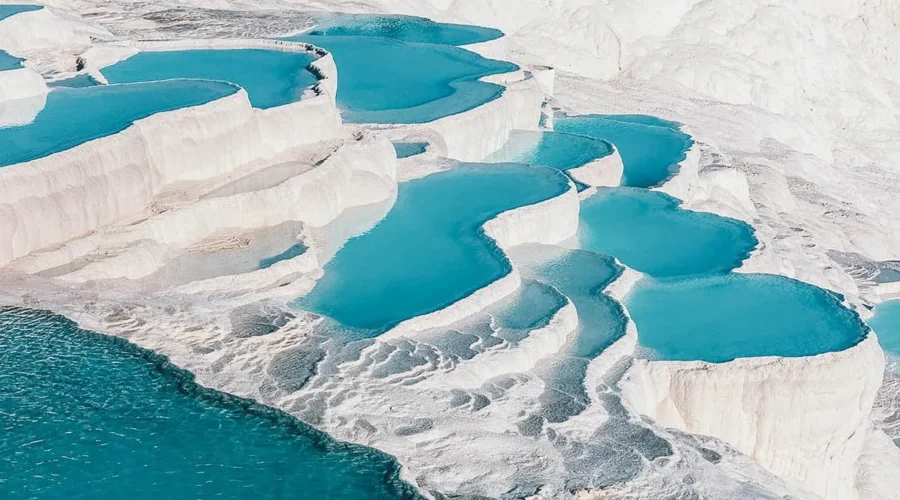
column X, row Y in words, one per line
column 404, row 28
column 75, row 116
column 650, row 147
column 551, row 149
column 722, row 317
column 270, row 77
column 384, row 80
column 648, row 232
column 430, row 250
column 87, row 416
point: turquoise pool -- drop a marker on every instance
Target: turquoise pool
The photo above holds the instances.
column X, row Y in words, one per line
column 429, row 251
column 648, row 232
column 722, row 317
column 13, row 9
column 8, row 62
column 75, row 116
column 551, row 149
column 407, row 149
column 270, row 77
column 650, row 147
column 75, row 82
column 382, row 80
column 87, row 416
column 886, row 324
column 404, row 28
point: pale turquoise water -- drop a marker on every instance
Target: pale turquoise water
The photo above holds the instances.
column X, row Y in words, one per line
column 87, row 416
column 404, row 28
column 886, row 324
column 13, row 9
column 75, row 116
column 648, row 232
column 430, row 250
column 723, row 317
column 270, row 77
column 382, row 80
column 75, row 82
column 650, row 147
column 551, row 149
column 407, row 149
column 8, row 62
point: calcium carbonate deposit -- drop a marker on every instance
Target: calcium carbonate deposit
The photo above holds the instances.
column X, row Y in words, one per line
column 372, row 249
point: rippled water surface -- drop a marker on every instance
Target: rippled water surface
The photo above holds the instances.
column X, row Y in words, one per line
column 94, row 417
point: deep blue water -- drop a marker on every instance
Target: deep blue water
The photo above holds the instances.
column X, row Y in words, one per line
column 75, row 82
column 650, row 147
column 648, row 232
column 75, row 116
column 404, row 28
column 8, row 62
column 722, row 317
column 270, row 77
column 87, row 416
column 886, row 324
column 13, row 9
column 382, row 80
column 407, row 149
column 430, row 250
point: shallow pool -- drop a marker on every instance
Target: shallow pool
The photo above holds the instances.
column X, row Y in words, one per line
column 75, row 116
column 90, row 416
column 405, row 28
column 551, row 149
column 13, row 9
column 430, row 250
column 407, row 149
column 723, row 317
column 650, row 147
column 75, row 82
column 270, row 77
column 650, row 233
column 8, row 62
column 886, row 324
column 382, row 80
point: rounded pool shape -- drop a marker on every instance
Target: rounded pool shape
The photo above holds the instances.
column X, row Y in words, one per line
column 72, row 117
column 649, row 232
column 723, row 317
column 404, row 28
column 651, row 148
column 430, row 250
column 91, row 416
column 550, row 149
column 270, row 77
column 382, row 80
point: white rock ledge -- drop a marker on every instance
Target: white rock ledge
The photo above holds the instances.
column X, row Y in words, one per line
column 602, row 172
column 805, row 419
column 53, row 199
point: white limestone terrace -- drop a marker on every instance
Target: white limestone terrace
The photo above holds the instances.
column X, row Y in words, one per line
column 431, row 431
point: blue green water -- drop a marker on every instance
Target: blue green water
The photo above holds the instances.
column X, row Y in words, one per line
column 75, row 82
column 13, row 9
column 290, row 253
column 430, row 250
column 75, row 116
column 650, row 147
column 270, row 77
column 407, row 149
column 404, row 28
column 8, row 62
column 382, row 80
column 886, row 325
column 648, row 232
column 722, row 317
column 87, row 416
column 551, row 149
